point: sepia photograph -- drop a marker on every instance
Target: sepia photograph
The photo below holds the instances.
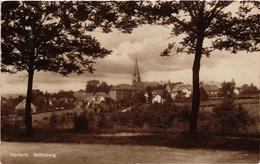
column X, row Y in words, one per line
column 130, row 82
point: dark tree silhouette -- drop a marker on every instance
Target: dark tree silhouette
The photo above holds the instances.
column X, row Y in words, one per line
column 139, row 97
column 104, row 87
column 248, row 89
column 196, row 22
column 203, row 94
column 97, row 86
column 51, row 36
column 167, row 96
column 149, row 94
column 92, row 86
column 227, row 88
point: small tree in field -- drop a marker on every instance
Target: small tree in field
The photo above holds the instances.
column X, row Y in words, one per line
column 230, row 117
column 227, row 88
column 203, row 94
column 92, row 86
column 51, row 36
column 197, row 23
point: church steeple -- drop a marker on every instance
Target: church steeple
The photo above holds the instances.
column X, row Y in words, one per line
column 136, row 75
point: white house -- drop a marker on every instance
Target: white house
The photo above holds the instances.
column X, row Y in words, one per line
column 186, row 91
column 236, row 91
column 95, row 100
column 158, row 99
column 211, row 89
column 174, row 95
column 21, row 106
column 175, row 88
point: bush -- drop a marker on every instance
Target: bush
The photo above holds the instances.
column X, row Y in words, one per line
column 64, row 120
column 229, row 117
column 102, row 121
column 53, row 122
column 81, row 123
column 160, row 116
column 138, row 98
column 203, row 94
column 120, row 118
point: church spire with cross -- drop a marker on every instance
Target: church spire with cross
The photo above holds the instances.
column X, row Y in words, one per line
column 136, row 76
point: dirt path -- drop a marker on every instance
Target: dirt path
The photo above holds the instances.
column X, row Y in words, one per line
column 116, row 154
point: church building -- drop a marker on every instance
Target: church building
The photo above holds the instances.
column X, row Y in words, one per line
column 136, row 80
column 126, row 91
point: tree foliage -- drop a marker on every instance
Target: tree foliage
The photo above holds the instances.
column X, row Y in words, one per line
column 42, row 37
column 104, row 87
column 203, row 94
column 223, row 28
column 167, row 96
column 227, row 88
column 248, row 89
column 139, row 97
column 92, row 86
column 97, row 86
column 149, row 94
column 230, row 117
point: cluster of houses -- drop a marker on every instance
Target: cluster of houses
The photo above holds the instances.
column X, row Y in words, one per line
column 43, row 102
column 176, row 90
column 120, row 92
column 19, row 108
column 94, row 99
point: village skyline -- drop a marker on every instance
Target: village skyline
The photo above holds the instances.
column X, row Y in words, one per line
column 16, row 84
column 128, row 80
column 146, row 43
column 21, row 87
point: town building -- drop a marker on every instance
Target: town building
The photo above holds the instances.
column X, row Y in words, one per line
column 158, row 99
column 20, row 108
column 157, row 96
column 126, row 91
column 180, row 88
column 211, row 89
column 122, row 92
column 136, row 79
column 237, row 91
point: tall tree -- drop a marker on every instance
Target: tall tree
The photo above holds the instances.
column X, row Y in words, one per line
column 196, row 23
column 51, row 36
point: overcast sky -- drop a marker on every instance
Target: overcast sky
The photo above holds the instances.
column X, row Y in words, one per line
column 145, row 43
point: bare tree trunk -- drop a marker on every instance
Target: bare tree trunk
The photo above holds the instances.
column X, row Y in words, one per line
column 28, row 115
column 196, row 89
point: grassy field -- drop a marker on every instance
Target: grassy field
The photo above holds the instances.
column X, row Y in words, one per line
column 41, row 120
column 181, row 140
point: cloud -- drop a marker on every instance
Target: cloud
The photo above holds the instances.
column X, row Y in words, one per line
column 145, row 43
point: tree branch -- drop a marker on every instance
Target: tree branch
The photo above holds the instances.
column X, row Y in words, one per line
column 214, row 12
column 183, row 24
column 193, row 18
